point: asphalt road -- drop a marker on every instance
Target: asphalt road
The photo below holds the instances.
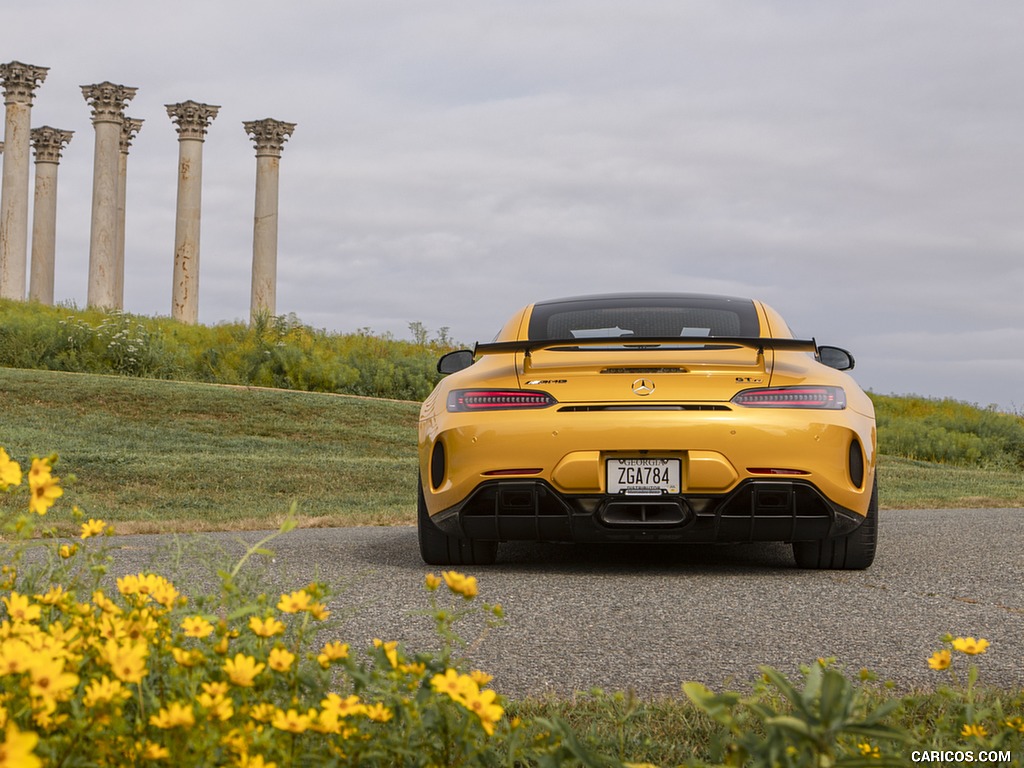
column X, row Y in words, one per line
column 652, row 618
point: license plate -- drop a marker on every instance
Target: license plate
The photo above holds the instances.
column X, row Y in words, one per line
column 643, row 477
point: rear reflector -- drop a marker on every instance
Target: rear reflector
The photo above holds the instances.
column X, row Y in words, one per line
column 507, row 472
column 828, row 398
column 775, row 471
column 461, row 400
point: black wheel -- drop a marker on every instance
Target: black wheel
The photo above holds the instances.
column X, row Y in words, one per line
column 853, row 552
column 438, row 548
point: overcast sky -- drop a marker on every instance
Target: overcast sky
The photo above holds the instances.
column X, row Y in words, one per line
column 859, row 166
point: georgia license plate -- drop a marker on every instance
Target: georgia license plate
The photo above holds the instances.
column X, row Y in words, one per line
column 643, row 477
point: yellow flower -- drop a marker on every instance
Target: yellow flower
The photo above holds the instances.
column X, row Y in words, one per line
column 390, row 650
column 20, row 608
column 482, row 704
column 263, row 713
column 216, row 689
column 254, row 761
column 295, row 602
column 281, row 659
column 460, row 584
column 150, row 751
column 432, row 582
column 480, row 678
column 49, row 681
column 14, row 657
column 333, row 651
column 105, row 604
column 266, row 627
column 867, row 750
column 319, row 611
column 127, row 660
column 292, row 721
column 217, row 707
column 54, row 595
column 174, row 715
column 379, row 713
column 940, row 659
column 18, row 747
column 45, row 489
column 196, row 626
column 92, row 528
column 342, row 707
column 416, row 669
column 974, row 730
column 1016, row 724
column 242, row 670
column 104, row 691
column 68, row 550
column 970, row 646
column 458, row 687
column 10, row 471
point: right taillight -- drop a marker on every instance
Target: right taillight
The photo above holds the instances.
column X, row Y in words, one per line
column 827, row 398
column 462, row 400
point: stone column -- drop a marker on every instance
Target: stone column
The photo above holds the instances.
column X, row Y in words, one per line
column 48, row 143
column 108, row 102
column 269, row 136
column 129, row 128
column 19, row 83
column 191, row 121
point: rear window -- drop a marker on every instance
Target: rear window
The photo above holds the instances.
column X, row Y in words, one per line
column 647, row 317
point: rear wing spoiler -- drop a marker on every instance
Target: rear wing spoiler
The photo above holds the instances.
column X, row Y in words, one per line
column 639, row 344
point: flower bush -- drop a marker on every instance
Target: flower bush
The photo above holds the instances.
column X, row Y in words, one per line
column 99, row 668
column 134, row 672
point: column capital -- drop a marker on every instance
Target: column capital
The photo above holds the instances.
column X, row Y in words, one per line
column 130, row 126
column 108, row 101
column 269, row 135
column 48, row 143
column 20, row 81
column 191, row 119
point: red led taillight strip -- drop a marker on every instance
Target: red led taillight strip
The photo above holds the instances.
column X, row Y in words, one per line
column 827, row 398
column 461, row 400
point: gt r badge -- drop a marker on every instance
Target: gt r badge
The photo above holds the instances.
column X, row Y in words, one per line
column 643, row 387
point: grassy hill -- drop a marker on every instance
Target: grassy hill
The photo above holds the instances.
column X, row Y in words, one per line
column 155, row 455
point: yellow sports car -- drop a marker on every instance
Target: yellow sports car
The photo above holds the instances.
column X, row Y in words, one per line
column 654, row 417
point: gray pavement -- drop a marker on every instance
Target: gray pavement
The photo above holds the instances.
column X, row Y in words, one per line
column 651, row 618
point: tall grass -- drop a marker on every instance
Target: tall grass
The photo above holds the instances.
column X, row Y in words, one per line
column 949, row 432
column 277, row 352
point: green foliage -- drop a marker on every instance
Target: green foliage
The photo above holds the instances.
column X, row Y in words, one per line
column 277, row 352
column 949, row 431
column 98, row 672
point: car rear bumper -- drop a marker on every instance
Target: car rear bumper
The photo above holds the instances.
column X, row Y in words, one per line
column 756, row 510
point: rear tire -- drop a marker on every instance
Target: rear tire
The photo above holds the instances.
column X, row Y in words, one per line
column 853, row 552
column 438, row 548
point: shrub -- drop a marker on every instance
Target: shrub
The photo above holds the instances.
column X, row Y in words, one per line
column 139, row 673
column 277, row 352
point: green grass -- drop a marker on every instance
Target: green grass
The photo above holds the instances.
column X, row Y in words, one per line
column 154, row 456
column 164, row 456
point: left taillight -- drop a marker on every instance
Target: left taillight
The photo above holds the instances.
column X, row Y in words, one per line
column 462, row 400
column 826, row 398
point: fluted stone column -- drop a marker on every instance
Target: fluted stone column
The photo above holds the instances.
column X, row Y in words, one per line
column 19, row 83
column 269, row 136
column 48, row 143
column 191, row 121
column 129, row 128
column 108, row 102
